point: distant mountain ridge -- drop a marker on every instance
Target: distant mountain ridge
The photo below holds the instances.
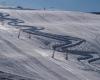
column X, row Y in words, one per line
column 17, row 7
column 96, row 13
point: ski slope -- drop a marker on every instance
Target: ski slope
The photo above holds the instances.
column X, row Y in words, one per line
column 29, row 58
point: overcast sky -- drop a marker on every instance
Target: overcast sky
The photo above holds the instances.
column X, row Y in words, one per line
column 73, row 5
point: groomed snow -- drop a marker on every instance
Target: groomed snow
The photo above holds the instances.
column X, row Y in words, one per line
column 31, row 58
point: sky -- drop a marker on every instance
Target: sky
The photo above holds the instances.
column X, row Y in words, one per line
column 69, row 5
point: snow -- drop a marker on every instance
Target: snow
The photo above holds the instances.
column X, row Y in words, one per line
column 31, row 58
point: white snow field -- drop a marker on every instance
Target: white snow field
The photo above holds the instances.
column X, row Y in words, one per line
column 29, row 37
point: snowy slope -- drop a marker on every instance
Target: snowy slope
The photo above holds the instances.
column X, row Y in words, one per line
column 25, row 57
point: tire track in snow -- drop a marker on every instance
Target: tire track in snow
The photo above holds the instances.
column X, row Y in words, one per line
column 8, row 76
column 17, row 50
